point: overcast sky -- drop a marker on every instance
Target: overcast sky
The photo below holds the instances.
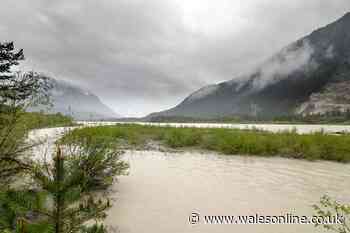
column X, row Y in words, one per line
column 141, row 56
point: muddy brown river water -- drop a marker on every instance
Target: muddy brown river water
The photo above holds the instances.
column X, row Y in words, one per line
column 163, row 189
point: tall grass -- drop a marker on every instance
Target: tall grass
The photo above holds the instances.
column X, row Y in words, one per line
column 35, row 120
column 316, row 146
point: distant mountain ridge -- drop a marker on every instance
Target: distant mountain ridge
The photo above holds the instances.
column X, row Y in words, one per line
column 285, row 84
column 74, row 101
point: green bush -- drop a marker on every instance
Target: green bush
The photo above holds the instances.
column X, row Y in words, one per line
column 35, row 120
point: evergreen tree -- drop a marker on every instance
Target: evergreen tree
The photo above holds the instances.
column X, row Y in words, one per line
column 17, row 90
column 61, row 199
column 98, row 157
column 17, row 87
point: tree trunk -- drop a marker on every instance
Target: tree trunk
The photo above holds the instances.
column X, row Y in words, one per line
column 59, row 201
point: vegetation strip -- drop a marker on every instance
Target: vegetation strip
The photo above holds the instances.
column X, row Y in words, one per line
column 316, row 146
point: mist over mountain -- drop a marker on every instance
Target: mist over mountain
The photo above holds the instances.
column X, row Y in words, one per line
column 74, row 101
column 303, row 78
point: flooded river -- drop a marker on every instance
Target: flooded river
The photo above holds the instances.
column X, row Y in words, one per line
column 163, row 189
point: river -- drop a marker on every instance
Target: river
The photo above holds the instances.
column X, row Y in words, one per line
column 163, row 189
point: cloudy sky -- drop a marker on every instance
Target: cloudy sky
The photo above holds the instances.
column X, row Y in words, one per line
column 141, row 56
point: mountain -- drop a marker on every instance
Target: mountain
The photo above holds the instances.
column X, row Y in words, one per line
column 303, row 78
column 76, row 102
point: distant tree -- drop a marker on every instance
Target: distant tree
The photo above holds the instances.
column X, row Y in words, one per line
column 347, row 114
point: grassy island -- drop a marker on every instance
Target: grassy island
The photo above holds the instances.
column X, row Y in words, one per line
column 316, row 146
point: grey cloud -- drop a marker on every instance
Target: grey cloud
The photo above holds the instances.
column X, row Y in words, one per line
column 141, row 56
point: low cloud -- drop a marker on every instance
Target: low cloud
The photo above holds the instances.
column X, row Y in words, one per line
column 289, row 60
column 142, row 56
